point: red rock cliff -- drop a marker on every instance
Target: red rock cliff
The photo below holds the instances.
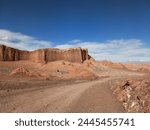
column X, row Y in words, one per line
column 43, row 55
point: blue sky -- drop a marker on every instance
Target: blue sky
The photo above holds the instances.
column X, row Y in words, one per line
column 116, row 30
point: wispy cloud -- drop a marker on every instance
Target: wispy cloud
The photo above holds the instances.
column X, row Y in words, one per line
column 116, row 50
column 75, row 41
column 22, row 41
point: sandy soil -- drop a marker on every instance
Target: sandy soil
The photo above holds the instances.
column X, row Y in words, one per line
column 60, row 87
column 78, row 97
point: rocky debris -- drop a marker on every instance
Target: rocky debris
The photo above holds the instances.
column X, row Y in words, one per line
column 135, row 95
column 78, row 55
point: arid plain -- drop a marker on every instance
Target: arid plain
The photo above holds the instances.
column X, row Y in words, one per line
column 68, row 86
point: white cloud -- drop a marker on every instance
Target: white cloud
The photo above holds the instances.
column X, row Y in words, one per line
column 75, row 41
column 116, row 50
column 21, row 41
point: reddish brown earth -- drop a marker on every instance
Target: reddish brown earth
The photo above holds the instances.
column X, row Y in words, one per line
column 60, row 86
column 134, row 94
column 64, row 86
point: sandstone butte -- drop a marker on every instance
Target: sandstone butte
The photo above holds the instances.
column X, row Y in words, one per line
column 77, row 55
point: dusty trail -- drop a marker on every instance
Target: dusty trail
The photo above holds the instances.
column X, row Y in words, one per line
column 93, row 96
column 98, row 98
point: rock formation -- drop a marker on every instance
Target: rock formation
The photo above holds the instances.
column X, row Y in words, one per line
column 43, row 55
column 134, row 94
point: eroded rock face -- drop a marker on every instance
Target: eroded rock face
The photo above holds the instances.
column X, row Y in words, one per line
column 43, row 55
column 8, row 53
column 135, row 95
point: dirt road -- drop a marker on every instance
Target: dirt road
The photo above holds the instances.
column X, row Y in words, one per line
column 93, row 96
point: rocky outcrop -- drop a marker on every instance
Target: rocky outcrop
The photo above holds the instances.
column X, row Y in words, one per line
column 8, row 54
column 134, row 94
column 43, row 55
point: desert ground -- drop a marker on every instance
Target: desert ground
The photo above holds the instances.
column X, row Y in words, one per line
column 62, row 86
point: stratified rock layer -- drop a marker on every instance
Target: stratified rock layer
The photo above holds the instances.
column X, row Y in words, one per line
column 43, row 55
